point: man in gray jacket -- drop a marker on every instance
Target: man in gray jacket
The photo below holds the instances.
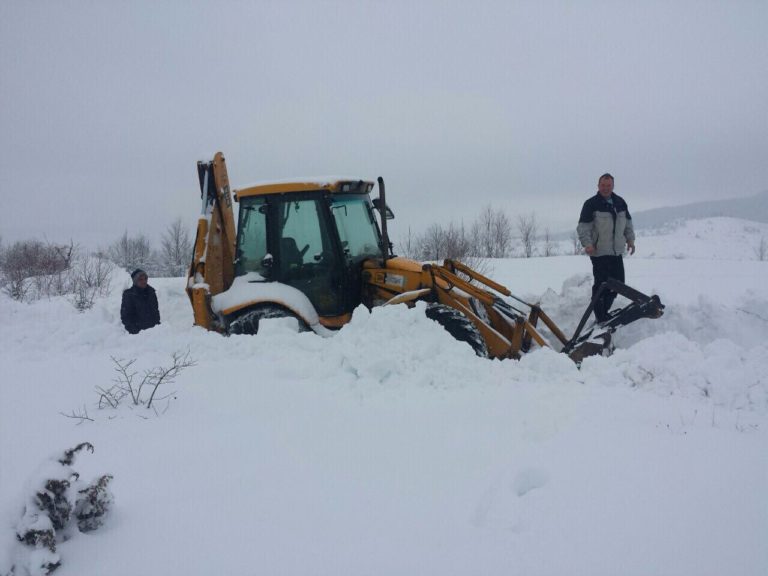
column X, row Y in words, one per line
column 605, row 227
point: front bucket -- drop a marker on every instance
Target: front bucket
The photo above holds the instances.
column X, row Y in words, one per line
column 599, row 345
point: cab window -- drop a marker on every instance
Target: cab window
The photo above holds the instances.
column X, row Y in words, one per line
column 356, row 225
column 251, row 236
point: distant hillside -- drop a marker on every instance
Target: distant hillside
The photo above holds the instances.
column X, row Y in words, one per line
column 753, row 208
column 718, row 238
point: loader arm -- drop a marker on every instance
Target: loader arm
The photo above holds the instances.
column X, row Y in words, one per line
column 213, row 262
column 510, row 331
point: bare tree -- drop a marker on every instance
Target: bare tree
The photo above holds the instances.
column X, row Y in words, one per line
column 453, row 242
column 439, row 243
column 407, row 247
column 456, row 242
column 130, row 253
column 176, row 251
column 526, row 227
column 550, row 247
column 576, row 248
column 430, row 245
column 762, row 250
column 491, row 234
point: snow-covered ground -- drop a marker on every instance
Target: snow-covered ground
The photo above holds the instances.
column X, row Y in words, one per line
column 708, row 238
column 391, row 449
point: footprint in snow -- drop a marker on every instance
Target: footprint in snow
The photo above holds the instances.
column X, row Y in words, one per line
column 502, row 505
column 529, row 479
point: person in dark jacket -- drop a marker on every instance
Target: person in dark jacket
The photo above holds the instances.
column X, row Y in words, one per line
column 605, row 227
column 139, row 309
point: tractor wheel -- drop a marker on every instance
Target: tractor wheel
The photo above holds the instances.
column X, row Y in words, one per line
column 247, row 322
column 458, row 326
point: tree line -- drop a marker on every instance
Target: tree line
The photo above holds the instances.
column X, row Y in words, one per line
column 170, row 260
column 493, row 234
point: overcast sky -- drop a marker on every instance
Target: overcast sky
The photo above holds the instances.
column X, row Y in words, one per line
column 106, row 106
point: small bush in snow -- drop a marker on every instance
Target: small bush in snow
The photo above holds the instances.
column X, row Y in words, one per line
column 57, row 501
column 142, row 392
column 90, row 277
column 92, row 504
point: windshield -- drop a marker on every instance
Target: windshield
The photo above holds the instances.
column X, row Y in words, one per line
column 356, row 225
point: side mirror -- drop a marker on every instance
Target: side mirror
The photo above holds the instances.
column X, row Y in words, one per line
column 377, row 204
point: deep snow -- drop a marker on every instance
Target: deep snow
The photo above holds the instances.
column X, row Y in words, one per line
column 392, row 449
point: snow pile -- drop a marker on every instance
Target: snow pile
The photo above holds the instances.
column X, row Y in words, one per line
column 59, row 505
column 390, row 448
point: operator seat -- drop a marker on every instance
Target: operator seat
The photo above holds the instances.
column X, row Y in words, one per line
column 290, row 255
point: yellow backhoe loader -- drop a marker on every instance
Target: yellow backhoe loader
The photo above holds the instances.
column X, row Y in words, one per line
column 314, row 250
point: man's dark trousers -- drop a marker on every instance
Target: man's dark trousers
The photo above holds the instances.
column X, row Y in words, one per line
column 603, row 268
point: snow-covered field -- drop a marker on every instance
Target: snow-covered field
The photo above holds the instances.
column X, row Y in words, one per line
column 391, row 449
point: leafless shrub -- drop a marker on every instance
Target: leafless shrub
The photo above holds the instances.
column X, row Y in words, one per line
column 35, row 267
column 81, row 414
column 89, row 278
column 32, row 270
column 527, row 228
column 176, row 249
column 142, row 392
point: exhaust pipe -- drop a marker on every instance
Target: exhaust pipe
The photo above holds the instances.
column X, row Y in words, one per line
column 383, row 214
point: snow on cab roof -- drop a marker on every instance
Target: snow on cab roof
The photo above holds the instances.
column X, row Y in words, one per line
column 297, row 184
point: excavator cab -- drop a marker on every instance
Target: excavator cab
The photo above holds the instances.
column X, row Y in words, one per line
column 312, row 240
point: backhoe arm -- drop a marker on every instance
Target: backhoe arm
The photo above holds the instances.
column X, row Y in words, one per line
column 212, row 269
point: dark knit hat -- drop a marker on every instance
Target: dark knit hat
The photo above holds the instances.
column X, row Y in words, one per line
column 136, row 273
